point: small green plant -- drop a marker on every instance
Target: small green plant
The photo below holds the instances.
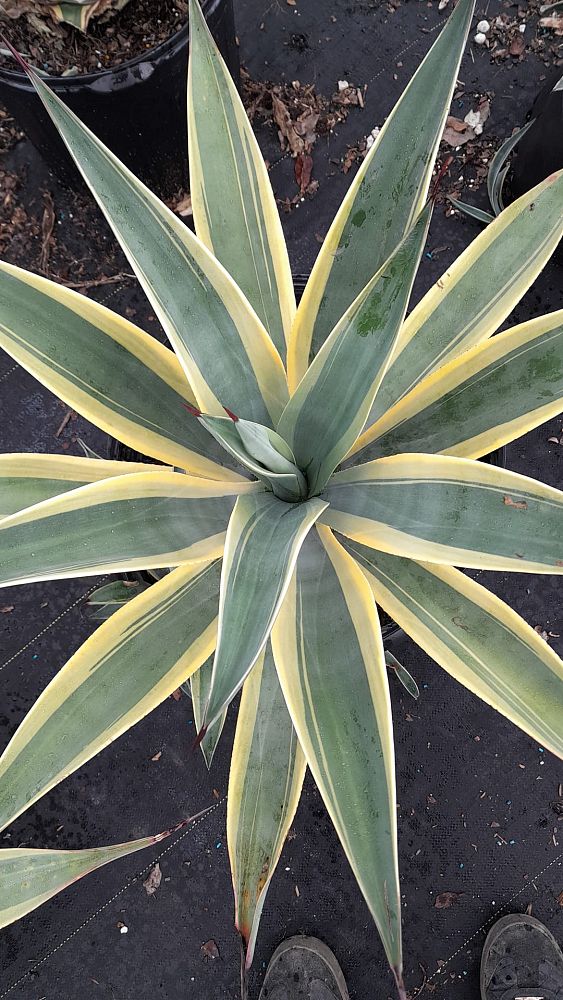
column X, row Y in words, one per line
column 327, row 466
column 78, row 13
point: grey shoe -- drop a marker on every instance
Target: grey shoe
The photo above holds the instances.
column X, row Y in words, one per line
column 521, row 961
column 303, row 968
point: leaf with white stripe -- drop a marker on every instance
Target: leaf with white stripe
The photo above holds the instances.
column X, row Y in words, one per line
column 265, row 782
column 151, row 519
column 475, row 295
column 385, row 197
column 331, row 665
column 199, row 685
column 476, row 637
column 235, row 212
column 122, row 672
column 263, row 540
column 479, row 402
column 26, row 479
column 449, row 510
column 226, row 352
column 107, row 369
column 331, row 403
column 29, row 877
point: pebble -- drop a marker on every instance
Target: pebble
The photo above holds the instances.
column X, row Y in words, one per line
column 483, row 27
column 480, row 38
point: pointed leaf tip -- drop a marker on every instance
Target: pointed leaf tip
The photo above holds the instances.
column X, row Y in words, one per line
column 192, row 409
column 230, row 414
column 440, row 176
column 19, row 59
column 199, row 738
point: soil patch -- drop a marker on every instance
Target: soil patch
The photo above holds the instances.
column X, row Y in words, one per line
column 110, row 40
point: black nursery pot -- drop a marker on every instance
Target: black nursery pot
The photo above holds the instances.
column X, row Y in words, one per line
column 137, row 109
column 121, row 452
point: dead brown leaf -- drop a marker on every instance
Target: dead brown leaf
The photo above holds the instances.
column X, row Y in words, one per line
column 5, row 610
column 177, row 694
column 554, row 22
column 446, row 899
column 519, row 504
column 210, row 950
column 517, row 46
column 456, row 132
column 303, row 170
column 560, row 899
column 157, row 755
column 47, row 226
column 153, row 880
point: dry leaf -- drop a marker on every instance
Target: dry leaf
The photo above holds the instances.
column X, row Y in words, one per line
column 517, row 45
column 303, row 170
column 153, row 880
column 560, row 899
column 5, row 610
column 554, row 22
column 210, row 950
column 177, row 694
column 446, row 899
column 456, row 132
column 157, row 756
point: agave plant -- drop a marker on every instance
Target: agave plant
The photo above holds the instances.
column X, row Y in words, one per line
column 327, row 467
column 77, row 13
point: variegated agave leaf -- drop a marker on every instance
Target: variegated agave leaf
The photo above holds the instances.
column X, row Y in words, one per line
column 327, row 466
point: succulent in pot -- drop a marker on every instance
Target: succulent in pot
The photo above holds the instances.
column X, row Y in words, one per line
column 327, row 465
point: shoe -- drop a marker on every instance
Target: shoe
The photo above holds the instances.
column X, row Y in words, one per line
column 521, row 961
column 303, row 968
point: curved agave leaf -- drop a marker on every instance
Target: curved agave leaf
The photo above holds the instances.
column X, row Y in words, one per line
column 200, row 683
column 449, row 510
column 475, row 636
column 106, row 368
column 492, row 394
column 222, row 345
column 26, row 479
column 475, row 295
column 265, row 782
column 151, row 519
column 331, row 665
column 121, row 673
column 235, row 212
column 263, row 540
column 30, row 877
column 385, row 197
column 331, row 404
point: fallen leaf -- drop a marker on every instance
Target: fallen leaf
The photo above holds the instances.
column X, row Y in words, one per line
column 541, row 631
column 446, row 899
column 476, row 119
column 560, row 899
column 517, row 46
column 157, row 756
column 210, row 950
column 177, row 694
column 305, row 126
column 47, row 226
column 184, row 207
column 554, row 23
column 519, row 504
column 303, row 170
column 456, row 132
column 153, row 880
column 5, row 610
